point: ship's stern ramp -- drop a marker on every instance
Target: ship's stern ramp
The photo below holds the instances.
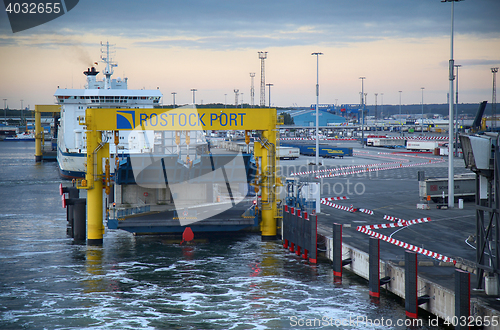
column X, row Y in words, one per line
column 228, row 174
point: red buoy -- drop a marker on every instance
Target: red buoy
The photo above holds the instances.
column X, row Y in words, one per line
column 187, row 235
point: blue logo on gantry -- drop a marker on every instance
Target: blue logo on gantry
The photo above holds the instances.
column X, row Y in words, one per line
column 125, row 119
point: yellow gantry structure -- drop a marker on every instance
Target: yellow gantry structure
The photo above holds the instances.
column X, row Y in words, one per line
column 98, row 121
column 39, row 138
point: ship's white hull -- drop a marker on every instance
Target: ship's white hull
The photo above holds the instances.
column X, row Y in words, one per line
column 71, row 165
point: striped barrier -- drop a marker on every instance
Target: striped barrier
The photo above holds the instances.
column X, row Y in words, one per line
column 341, row 198
column 422, row 220
column 345, row 208
column 406, row 155
column 376, row 169
column 383, row 226
column 410, row 222
column 348, row 168
column 402, row 223
column 370, row 212
column 314, row 139
column 390, row 218
column 419, row 138
column 407, row 246
column 340, row 207
column 385, row 157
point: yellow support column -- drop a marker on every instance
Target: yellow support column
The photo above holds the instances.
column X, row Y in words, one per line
column 38, row 135
column 96, row 151
column 268, row 152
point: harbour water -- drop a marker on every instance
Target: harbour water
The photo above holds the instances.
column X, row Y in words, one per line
column 151, row 282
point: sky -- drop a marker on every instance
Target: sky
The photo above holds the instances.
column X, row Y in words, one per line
column 213, row 45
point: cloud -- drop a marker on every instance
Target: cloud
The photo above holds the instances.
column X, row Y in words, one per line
column 474, row 62
column 217, row 24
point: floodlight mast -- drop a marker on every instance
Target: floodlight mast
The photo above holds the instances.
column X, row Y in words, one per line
column 451, row 68
column 317, row 106
column 362, row 112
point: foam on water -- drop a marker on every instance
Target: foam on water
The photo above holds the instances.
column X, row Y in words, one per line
column 136, row 282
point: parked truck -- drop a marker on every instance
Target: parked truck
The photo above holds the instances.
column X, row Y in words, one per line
column 325, row 150
column 423, row 145
column 436, row 188
column 385, row 142
column 288, row 153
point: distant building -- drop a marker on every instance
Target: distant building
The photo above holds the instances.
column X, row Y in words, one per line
column 308, row 118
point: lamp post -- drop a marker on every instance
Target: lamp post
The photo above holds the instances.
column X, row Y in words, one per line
column 400, row 111
column 269, row 85
column 400, row 104
column 173, row 95
column 422, row 88
column 456, row 113
column 382, row 106
column 22, row 111
column 317, row 106
column 362, row 112
column 194, row 91
column 494, row 71
column 451, row 183
column 5, row 110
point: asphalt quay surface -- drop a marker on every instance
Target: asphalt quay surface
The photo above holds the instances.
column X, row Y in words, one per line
column 391, row 188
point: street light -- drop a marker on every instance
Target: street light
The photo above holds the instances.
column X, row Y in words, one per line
column 269, row 85
column 400, row 111
column 451, row 183
column 5, row 110
column 194, row 91
column 456, row 114
column 494, row 71
column 362, row 112
column 422, row 88
column 400, row 104
column 317, row 106
column 173, row 94
column 382, row 106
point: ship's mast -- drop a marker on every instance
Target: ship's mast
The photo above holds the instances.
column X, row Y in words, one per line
column 106, row 58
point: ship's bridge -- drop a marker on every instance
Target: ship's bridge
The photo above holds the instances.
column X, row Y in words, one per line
column 108, row 97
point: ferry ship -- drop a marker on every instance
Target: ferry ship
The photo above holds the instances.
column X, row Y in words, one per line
column 105, row 93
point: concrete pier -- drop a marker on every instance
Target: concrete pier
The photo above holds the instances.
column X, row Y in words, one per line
column 394, row 193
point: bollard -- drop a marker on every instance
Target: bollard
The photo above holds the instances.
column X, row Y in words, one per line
column 73, row 193
column 462, row 297
column 313, row 251
column 411, row 306
column 337, row 250
column 286, row 226
column 374, row 267
column 80, row 220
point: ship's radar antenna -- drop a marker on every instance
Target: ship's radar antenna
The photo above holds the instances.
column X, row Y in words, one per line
column 110, row 64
